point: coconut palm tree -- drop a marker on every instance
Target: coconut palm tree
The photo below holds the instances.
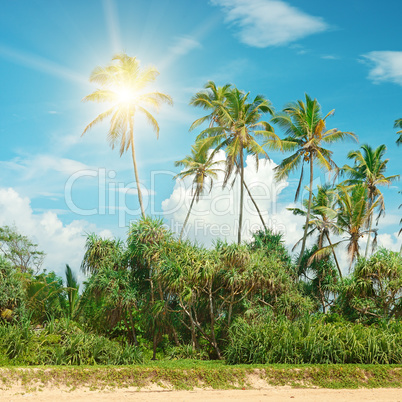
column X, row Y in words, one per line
column 123, row 86
column 238, row 125
column 398, row 124
column 201, row 167
column 323, row 218
column 307, row 134
column 72, row 288
column 213, row 98
column 353, row 211
column 369, row 168
column 210, row 98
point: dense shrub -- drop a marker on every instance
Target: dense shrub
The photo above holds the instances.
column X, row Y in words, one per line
column 12, row 298
column 62, row 343
column 314, row 340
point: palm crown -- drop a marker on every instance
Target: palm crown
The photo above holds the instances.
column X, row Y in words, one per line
column 235, row 125
column 369, row 168
column 122, row 86
column 201, row 167
column 306, row 134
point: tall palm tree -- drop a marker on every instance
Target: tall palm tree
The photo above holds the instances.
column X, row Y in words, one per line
column 123, row 86
column 201, row 167
column 307, row 134
column 369, row 168
column 323, row 218
column 213, row 98
column 238, row 125
column 398, row 123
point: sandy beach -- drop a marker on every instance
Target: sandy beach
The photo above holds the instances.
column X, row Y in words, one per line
column 269, row 394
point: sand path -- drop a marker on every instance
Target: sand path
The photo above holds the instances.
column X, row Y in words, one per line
column 277, row 394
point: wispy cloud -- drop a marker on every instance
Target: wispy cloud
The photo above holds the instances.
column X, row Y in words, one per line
column 264, row 23
column 386, row 66
column 330, row 57
column 181, row 46
column 39, row 165
column 39, row 175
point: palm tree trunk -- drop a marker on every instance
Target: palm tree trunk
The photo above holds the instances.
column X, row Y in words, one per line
column 137, row 179
column 154, row 344
column 241, row 196
column 132, row 327
column 334, row 254
column 255, row 205
column 212, row 318
column 370, row 225
column 231, row 306
column 308, row 211
column 188, row 215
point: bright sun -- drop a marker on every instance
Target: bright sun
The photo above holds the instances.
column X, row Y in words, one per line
column 125, row 95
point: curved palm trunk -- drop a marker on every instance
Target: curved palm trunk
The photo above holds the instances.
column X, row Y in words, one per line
column 188, row 215
column 370, row 226
column 255, row 205
column 241, row 196
column 308, row 211
column 334, row 254
column 137, row 179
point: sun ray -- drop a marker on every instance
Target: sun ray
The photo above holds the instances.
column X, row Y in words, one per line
column 112, row 21
column 41, row 64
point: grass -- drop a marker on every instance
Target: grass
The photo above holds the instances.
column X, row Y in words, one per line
column 190, row 374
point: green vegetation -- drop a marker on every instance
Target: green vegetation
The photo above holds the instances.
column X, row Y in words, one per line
column 186, row 375
column 156, row 296
column 311, row 340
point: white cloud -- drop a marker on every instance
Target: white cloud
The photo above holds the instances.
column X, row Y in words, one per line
column 266, row 23
column 216, row 213
column 386, row 66
column 63, row 244
column 390, row 240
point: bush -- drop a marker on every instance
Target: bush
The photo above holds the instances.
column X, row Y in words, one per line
column 313, row 340
column 186, row 352
column 62, row 343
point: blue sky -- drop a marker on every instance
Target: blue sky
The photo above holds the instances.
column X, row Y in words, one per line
column 346, row 54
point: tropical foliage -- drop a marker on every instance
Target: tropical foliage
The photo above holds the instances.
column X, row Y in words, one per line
column 157, row 295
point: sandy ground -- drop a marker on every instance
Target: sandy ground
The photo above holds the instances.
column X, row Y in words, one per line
column 269, row 394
